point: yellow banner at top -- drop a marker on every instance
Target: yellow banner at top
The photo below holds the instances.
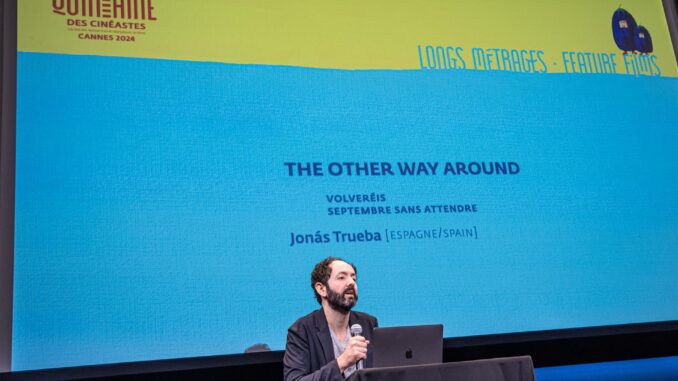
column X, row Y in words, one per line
column 575, row 36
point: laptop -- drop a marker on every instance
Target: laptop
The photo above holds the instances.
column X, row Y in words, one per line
column 408, row 345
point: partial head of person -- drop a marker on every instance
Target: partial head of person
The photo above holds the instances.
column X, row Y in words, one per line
column 334, row 284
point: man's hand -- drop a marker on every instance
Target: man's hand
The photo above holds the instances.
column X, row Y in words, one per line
column 356, row 350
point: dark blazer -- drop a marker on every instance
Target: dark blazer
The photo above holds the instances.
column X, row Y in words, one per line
column 309, row 355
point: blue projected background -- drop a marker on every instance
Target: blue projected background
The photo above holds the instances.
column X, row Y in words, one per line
column 156, row 218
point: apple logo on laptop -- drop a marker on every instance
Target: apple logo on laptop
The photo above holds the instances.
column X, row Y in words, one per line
column 408, row 353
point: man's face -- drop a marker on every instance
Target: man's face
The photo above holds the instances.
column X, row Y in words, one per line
column 342, row 290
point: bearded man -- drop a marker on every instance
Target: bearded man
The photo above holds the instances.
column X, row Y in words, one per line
column 319, row 345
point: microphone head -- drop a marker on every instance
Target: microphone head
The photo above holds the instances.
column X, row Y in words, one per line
column 356, row 330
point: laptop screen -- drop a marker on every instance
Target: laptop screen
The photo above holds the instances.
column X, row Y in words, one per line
column 408, row 345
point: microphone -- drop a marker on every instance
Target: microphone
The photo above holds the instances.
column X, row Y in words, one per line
column 357, row 330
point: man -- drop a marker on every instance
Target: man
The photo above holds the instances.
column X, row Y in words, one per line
column 319, row 345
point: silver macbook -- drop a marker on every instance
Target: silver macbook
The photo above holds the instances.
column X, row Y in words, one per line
column 409, row 345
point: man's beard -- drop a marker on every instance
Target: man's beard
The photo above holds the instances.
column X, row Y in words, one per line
column 339, row 302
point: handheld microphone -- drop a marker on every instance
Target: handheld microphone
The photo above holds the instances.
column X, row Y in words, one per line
column 357, row 330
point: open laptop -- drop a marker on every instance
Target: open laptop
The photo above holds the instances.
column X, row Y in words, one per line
column 408, row 345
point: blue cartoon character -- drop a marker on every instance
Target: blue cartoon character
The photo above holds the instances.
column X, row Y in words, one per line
column 624, row 30
column 642, row 40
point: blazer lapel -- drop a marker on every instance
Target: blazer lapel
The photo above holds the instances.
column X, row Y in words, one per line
column 323, row 332
column 351, row 320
